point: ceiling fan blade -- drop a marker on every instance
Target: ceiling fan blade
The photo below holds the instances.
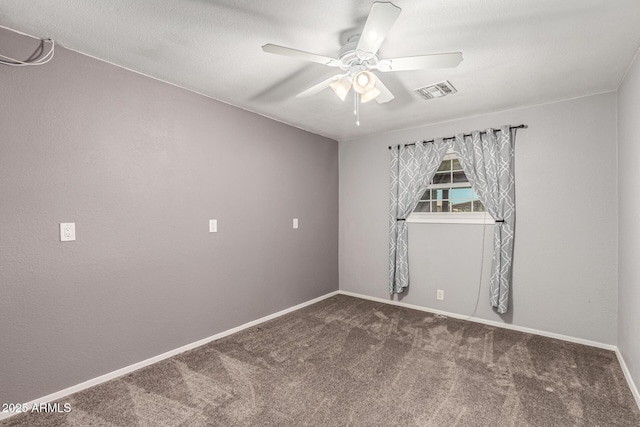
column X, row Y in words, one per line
column 380, row 20
column 385, row 94
column 320, row 86
column 439, row 60
column 300, row 54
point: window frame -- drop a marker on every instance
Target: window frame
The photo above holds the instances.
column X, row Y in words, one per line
column 451, row 217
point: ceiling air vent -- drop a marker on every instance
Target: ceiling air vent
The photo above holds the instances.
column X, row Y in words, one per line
column 437, row 90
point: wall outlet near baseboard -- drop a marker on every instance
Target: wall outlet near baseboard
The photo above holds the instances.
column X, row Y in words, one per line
column 67, row 231
column 440, row 295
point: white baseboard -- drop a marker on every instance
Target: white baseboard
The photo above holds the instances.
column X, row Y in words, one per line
column 487, row 322
column 123, row 371
column 627, row 375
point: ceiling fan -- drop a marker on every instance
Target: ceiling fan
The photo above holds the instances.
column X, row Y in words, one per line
column 358, row 59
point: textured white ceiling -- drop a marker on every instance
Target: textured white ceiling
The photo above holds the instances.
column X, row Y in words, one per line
column 516, row 52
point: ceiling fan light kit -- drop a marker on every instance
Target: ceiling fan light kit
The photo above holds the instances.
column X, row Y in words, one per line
column 359, row 58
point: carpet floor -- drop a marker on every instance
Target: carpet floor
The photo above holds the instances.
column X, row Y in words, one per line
column 345, row 361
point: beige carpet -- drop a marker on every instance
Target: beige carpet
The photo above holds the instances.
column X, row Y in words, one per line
column 351, row 362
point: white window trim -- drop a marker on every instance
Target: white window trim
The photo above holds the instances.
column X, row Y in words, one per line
column 451, row 218
column 449, row 155
column 451, row 185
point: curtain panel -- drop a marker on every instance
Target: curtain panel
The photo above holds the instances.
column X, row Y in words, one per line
column 412, row 168
column 487, row 159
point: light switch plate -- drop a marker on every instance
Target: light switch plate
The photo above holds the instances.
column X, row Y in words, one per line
column 295, row 222
column 67, row 231
column 213, row 226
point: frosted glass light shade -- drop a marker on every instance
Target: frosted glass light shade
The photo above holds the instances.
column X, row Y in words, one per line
column 364, row 81
column 369, row 95
column 341, row 87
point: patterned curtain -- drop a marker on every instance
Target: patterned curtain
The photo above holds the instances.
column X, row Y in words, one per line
column 487, row 160
column 412, row 168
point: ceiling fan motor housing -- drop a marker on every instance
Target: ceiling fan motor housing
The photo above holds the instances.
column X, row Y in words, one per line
column 349, row 56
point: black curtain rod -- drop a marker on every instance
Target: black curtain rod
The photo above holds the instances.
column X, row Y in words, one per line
column 466, row 134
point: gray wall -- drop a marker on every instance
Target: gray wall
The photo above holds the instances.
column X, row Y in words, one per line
column 629, row 220
column 565, row 266
column 141, row 166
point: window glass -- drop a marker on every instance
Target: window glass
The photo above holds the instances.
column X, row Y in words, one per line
column 423, row 207
column 440, row 205
column 459, row 177
column 445, row 165
column 478, row 206
column 464, row 193
column 442, row 178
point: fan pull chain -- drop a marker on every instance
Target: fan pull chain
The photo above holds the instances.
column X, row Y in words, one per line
column 357, row 108
column 355, row 103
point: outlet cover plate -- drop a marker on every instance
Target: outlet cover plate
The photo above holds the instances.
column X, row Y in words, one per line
column 440, row 295
column 67, row 231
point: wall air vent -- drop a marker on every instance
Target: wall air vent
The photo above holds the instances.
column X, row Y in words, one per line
column 436, row 90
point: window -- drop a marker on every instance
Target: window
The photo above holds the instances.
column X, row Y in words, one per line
column 450, row 198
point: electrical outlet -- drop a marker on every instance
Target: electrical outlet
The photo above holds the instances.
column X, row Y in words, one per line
column 295, row 222
column 213, row 226
column 67, row 231
column 440, row 295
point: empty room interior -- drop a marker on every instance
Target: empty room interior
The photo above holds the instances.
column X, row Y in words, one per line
column 324, row 213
